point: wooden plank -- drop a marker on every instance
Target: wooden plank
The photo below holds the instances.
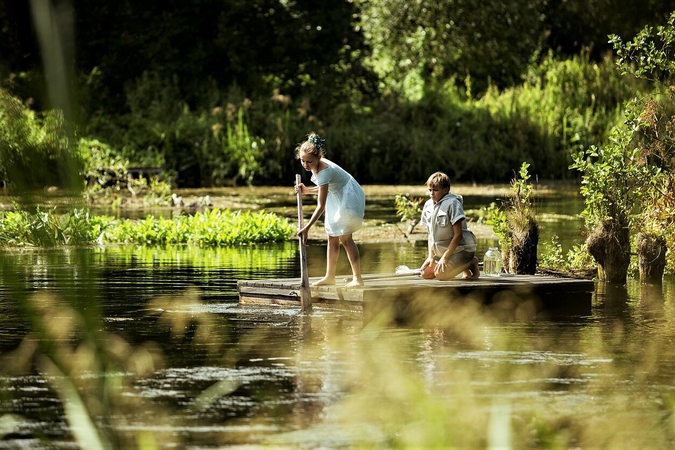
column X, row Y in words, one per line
column 548, row 292
column 265, row 301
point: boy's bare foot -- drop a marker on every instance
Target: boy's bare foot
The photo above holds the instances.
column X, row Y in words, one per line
column 324, row 282
column 354, row 283
column 473, row 272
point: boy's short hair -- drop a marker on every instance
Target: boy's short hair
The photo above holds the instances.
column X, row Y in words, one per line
column 439, row 180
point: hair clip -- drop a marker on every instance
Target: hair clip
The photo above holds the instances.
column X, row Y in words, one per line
column 317, row 141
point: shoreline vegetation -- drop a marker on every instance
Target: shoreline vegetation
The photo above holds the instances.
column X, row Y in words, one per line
column 234, row 216
column 599, row 117
column 277, row 200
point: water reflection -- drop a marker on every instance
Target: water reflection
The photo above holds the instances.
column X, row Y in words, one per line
column 195, row 369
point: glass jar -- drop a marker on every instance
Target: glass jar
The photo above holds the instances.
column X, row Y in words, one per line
column 492, row 262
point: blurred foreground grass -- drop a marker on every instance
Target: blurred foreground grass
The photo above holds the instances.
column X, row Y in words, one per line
column 459, row 375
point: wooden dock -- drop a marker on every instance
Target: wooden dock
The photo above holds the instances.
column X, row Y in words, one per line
column 541, row 294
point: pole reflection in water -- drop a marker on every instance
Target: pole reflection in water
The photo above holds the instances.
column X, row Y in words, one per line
column 157, row 350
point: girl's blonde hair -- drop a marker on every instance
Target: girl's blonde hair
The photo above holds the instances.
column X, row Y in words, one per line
column 314, row 145
column 439, row 180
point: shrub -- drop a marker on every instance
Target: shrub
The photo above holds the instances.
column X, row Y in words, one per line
column 35, row 149
column 108, row 180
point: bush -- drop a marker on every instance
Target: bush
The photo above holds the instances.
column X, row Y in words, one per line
column 35, row 149
column 234, row 137
column 107, row 178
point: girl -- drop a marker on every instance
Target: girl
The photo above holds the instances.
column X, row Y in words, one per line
column 343, row 201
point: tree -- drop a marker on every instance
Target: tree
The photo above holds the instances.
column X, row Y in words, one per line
column 614, row 176
column 431, row 42
column 649, row 56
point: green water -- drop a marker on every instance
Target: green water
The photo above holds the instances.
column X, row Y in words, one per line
column 163, row 357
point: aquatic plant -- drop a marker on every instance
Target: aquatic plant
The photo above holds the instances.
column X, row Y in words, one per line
column 211, row 227
column 553, row 256
column 47, row 228
column 516, row 226
column 409, row 209
column 648, row 56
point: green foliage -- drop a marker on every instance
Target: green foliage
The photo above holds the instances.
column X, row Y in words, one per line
column 108, row 180
column 648, row 54
column 651, row 150
column 516, row 214
column 102, row 166
column 471, row 85
column 562, row 107
column 241, row 153
column 46, row 228
column 35, row 150
column 576, row 257
column 476, row 127
column 203, row 147
column 208, row 228
column 419, row 44
column 409, row 209
column 496, row 217
column 614, row 175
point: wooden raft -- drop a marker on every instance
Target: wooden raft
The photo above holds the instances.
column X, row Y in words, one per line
column 554, row 294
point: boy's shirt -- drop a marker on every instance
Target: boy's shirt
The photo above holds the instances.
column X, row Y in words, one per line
column 439, row 218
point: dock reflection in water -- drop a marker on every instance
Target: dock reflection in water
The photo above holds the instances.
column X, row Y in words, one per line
column 182, row 365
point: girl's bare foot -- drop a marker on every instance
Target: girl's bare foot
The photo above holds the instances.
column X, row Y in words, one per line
column 354, row 283
column 325, row 281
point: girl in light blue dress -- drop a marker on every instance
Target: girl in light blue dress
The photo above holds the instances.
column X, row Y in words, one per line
column 342, row 200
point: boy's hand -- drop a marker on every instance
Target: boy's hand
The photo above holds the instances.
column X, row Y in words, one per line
column 441, row 265
column 427, row 263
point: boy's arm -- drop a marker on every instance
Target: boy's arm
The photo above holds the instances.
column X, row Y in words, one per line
column 430, row 256
column 456, row 239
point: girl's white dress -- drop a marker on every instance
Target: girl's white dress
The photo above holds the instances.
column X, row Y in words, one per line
column 346, row 202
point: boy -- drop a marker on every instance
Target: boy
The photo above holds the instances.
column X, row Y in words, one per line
column 452, row 246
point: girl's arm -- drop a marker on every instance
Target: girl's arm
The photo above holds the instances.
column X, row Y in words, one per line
column 320, row 207
column 307, row 189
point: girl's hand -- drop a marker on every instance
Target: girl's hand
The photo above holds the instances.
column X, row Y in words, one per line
column 302, row 234
column 300, row 188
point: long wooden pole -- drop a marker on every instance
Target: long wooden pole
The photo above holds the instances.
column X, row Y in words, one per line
column 305, row 292
column 385, row 276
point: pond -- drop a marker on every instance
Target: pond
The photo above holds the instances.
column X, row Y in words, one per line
column 152, row 345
